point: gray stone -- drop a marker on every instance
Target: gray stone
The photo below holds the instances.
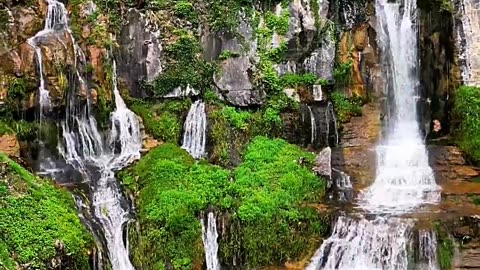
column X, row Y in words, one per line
column 322, row 60
column 140, row 52
column 323, row 163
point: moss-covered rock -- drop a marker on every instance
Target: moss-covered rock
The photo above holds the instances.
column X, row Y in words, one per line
column 39, row 226
column 270, row 201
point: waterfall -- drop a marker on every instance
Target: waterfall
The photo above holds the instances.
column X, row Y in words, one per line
column 404, row 181
column 94, row 154
column 194, row 137
column 210, row 244
column 56, row 20
column 468, row 40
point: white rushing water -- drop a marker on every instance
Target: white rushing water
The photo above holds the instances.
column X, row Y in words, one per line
column 343, row 186
column 210, row 244
column 56, row 19
column 195, row 127
column 95, row 155
column 404, row 180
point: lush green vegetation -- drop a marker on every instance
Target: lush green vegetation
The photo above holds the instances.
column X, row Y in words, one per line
column 298, row 80
column 271, row 201
column 173, row 191
column 163, row 120
column 272, row 192
column 185, row 67
column 345, row 107
column 35, row 216
column 445, row 247
column 467, row 108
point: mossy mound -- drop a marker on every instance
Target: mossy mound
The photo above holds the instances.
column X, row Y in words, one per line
column 269, row 201
column 39, row 225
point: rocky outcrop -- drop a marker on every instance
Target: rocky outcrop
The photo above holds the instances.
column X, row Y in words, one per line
column 9, row 145
column 234, row 81
column 140, row 52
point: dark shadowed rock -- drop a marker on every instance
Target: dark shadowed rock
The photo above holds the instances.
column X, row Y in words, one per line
column 140, row 52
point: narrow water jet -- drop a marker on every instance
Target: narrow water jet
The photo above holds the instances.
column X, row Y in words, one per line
column 194, row 136
column 210, row 244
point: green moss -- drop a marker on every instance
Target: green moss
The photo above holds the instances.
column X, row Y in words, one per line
column 269, row 199
column 467, row 108
column 445, row 247
column 174, row 190
column 185, row 67
column 345, row 107
column 343, row 74
column 34, row 215
column 297, row 80
column 271, row 191
column 163, row 120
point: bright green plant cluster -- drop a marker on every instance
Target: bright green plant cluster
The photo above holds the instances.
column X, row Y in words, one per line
column 345, row 107
column 185, row 67
column 227, row 54
column 467, row 107
column 174, row 191
column 34, row 216
column 297, row 80
column 342, row 73
column 279, row 24
column 163, row 120
column 445, row 247
column 269, row 198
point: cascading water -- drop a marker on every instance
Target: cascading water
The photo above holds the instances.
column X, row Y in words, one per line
column 95, row 155
column 210, row 244
column 404, row 179
column 56, row 20
column 313, row 125
column 194, row 136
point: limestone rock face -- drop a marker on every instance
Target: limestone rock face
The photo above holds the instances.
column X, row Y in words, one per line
column 140, row 52
column 9, row 145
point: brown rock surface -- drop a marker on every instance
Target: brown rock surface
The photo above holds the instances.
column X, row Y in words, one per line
column 9, row 145
column 356, row 155
column 450, row 165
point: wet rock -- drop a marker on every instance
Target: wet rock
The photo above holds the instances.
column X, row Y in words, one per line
column 322, row 59
column 139, row 54
column 450, row 165
column 235, row 85
column 356, row 155
column 292, row 94
column 9, row 145
column 323, row 163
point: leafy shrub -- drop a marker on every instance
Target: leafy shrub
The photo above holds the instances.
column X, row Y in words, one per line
column 185, row 67
column 174, row 190
column 269, row 199
column 342, row 73
column 163, row 120
column 34, row 215
column 345, row 107
column 467, row 107
column 184, row 9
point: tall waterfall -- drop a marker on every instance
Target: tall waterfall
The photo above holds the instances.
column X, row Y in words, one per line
column 210, row 244
column 404, row 180
column 194, row 136
column 94, row 154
